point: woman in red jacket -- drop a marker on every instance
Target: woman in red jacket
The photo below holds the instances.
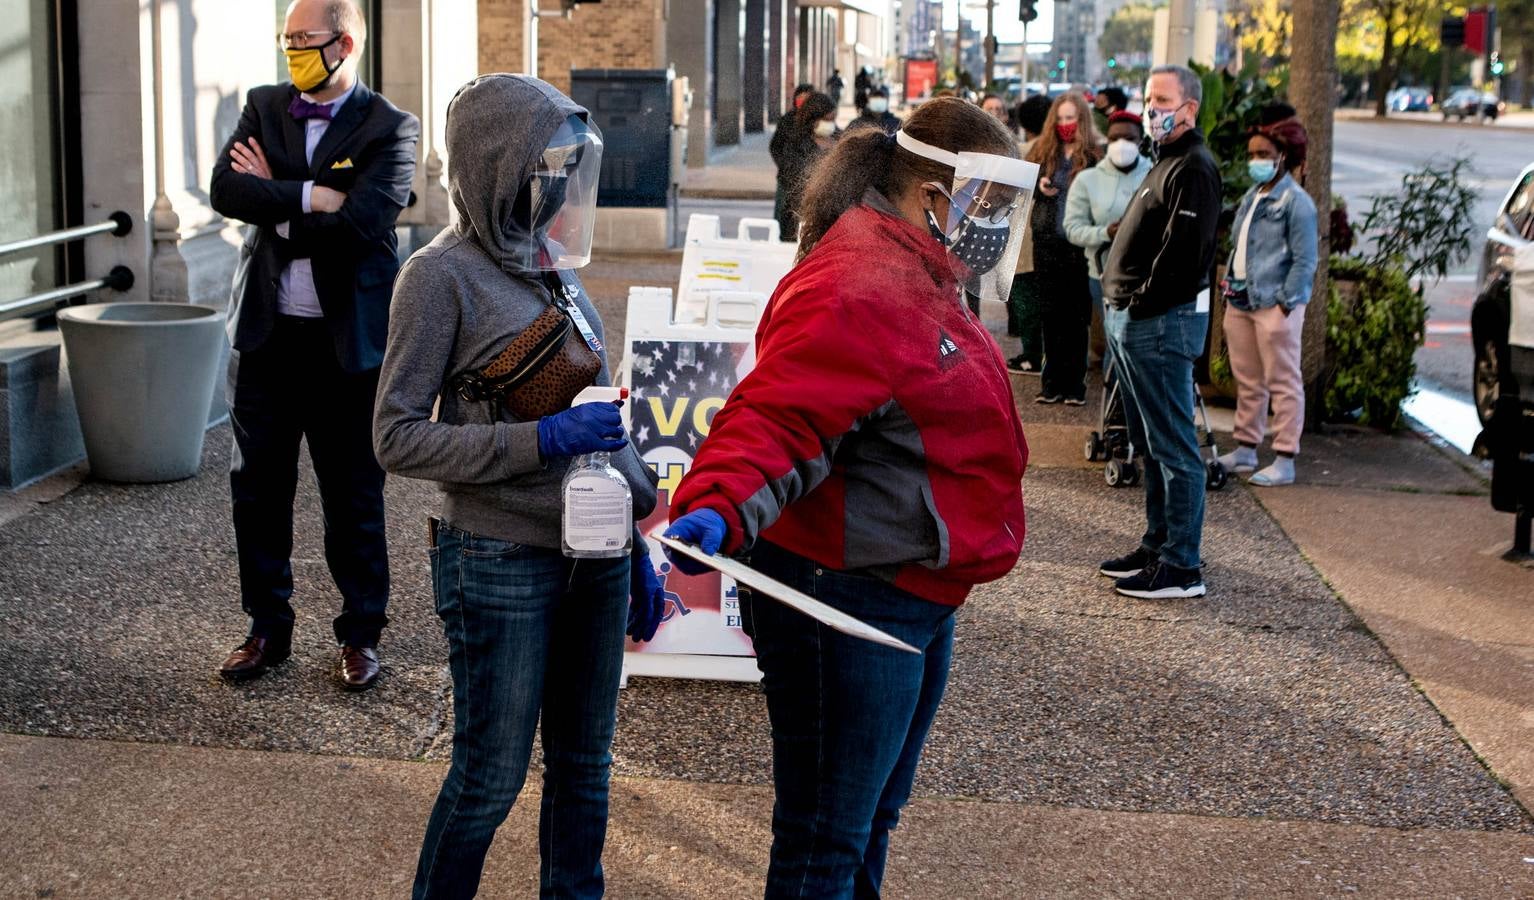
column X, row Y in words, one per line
column 873, row 459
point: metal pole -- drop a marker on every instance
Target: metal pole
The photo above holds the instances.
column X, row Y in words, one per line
column 990, row 43
column 1023, row 90
column 958, row 41
column 120, row 224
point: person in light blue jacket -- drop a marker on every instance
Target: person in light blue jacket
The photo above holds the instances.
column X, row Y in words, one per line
column 1097, row 201
column 1267, row 285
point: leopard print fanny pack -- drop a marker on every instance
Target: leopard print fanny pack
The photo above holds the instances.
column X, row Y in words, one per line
column 539, row 373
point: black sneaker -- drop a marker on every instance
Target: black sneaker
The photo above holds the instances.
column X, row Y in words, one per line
column 1045, row 397
column 1021, row 365
column 1125, row 566
column 1160, row 581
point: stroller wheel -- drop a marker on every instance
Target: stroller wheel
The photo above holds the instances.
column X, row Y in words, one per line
column 1095, row 448
column 1217, row 476
column 1119, row 473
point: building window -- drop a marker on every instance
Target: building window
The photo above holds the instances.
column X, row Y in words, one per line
column 30, row 178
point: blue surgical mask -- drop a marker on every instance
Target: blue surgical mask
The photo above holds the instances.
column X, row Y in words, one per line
column 1262, row 170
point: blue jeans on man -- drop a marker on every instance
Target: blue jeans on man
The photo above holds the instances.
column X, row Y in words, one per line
column 849, row 719
column 528, row 631
column 1154, row 358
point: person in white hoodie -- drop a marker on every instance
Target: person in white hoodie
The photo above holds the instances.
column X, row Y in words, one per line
column 1098, row 198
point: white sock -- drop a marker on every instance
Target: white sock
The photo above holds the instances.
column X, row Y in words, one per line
column 1242, row 457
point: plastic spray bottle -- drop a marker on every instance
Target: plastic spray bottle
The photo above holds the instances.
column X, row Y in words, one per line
column 598, row 518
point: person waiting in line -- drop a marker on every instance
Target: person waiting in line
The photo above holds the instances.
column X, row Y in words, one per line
column 1106, row 103
column 1271, row 271
column 784, row 136
column 535, row 639
column 834, row 86
column 321, row 169
column 1067, row 148
column 873, row 388
column 1157, row 317
column 814, row 134
column 1023, row 320
column 877, row 113
column 1098, row 198
column 997, row 108
column 862, row 84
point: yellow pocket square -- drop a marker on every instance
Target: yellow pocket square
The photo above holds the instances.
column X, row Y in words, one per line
column 343, row 164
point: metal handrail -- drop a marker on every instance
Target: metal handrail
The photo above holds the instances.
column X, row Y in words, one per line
column 117, row 224
column 119, row 279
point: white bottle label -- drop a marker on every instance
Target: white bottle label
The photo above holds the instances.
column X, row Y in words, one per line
column 596, row 513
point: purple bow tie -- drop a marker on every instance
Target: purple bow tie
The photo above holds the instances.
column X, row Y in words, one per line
column 302, row 109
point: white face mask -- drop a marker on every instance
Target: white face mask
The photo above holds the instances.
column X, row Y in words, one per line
column 878, row 105
column 825, row 129
column 1123, row 153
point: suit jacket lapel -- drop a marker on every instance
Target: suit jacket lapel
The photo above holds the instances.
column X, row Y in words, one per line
column 292, row 134
column 346, row 120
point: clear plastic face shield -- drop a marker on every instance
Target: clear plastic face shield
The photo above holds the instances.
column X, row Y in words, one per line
column 987, row 210
column 555, row 212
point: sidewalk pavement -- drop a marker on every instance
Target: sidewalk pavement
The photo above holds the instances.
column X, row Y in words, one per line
column 1522, row 119
column 1274, row 738
column 743, row 172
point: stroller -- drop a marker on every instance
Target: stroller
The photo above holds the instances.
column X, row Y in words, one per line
column 1110, row 443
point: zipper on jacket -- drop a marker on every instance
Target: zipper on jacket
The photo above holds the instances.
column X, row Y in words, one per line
column 546, row 347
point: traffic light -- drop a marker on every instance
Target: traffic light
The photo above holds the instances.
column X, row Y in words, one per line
column 1060, row 65
column 1497, row 67
column 1026, row 12
column 1451, row 31
column 1113, row 62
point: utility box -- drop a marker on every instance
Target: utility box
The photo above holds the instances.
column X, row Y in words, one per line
column 633, row 108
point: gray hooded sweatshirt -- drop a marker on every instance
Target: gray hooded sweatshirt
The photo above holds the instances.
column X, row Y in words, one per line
column 457, row 303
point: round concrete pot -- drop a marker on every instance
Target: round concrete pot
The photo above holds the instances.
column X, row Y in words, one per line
column 143, row 377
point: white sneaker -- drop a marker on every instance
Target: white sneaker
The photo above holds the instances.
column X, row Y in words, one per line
column 1241, row 459
column 1281, row 472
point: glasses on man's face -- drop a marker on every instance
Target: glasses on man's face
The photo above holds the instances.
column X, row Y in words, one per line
column 303, row 40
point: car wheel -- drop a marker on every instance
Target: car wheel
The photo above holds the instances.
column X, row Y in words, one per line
column 1487, row 380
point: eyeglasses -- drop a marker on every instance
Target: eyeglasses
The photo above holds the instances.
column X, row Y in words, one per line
column 985, row 210
column 304, row 40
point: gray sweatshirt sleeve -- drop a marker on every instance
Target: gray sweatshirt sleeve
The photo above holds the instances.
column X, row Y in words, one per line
column 423, row 326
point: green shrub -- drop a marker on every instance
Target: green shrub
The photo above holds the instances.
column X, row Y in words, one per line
column 1372, row 341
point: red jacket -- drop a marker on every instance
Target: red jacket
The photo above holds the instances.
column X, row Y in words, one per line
column 877, row 431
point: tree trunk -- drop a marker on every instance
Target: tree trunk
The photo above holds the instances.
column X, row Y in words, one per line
column 1387, row 74
column 1312, row 90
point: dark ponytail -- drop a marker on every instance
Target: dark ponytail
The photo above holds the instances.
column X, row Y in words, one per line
column 866, row 158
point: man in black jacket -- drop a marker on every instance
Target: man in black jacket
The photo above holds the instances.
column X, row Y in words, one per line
column 1156, row 285
column 320, row 169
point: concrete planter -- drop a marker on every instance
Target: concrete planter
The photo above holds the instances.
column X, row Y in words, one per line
column 143, row 376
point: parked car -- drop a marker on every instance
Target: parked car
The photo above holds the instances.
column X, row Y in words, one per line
column 1409, row 99
column 1502, row 332
column 1468, row 103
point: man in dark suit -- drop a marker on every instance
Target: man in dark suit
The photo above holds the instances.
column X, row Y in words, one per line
column 320, row 169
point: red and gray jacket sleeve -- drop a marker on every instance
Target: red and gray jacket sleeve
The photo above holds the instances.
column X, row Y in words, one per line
column 818, row 374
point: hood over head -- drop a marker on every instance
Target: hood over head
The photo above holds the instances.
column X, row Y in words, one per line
column 498, row 127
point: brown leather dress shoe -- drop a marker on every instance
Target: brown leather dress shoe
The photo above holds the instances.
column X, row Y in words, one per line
column 359, row 667
column 252, row 658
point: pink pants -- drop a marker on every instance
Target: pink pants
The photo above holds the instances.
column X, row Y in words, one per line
column 1265, row 358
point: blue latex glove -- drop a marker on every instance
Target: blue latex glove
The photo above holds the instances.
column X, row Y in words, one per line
column 581, row 429
column 647, row 599
column 704, row 528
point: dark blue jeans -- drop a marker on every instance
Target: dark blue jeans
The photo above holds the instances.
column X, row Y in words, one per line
column 527, row 630
column 849, row 719
column 1155, row 358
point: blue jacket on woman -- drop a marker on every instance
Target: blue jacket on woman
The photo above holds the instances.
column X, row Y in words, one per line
column 1280, row 247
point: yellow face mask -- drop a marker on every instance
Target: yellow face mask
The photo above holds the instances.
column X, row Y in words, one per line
column 307, row 66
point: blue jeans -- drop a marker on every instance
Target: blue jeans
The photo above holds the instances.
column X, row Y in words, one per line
column 527, row 630
column 1155, row 358
column 849, row 719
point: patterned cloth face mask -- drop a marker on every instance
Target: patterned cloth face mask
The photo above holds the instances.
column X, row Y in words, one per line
column 978, row 243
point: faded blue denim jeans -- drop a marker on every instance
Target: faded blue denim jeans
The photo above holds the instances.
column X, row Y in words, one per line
column 1155, row 359
column 849, row 719
column 528, row 631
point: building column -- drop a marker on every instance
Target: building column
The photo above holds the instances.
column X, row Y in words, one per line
column 690, row 38
column 754, row 67
column 727, row 72
column 777, row 41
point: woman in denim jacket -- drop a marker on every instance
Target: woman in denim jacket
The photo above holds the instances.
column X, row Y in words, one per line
column 1268, row 283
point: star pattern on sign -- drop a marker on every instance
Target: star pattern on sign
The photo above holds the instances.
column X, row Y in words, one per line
column 676, row 372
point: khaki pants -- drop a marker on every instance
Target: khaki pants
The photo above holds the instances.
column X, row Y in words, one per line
column 1265, row 358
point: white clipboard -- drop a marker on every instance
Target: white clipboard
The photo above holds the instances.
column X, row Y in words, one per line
column 777, row 590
